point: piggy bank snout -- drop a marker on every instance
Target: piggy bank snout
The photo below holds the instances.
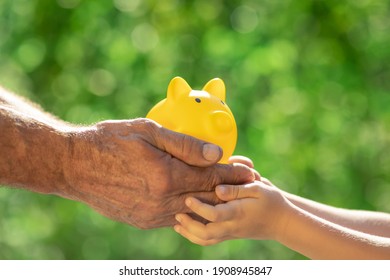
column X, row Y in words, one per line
column 222, row 121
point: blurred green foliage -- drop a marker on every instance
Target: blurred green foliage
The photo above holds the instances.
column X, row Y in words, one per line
column 308, row 82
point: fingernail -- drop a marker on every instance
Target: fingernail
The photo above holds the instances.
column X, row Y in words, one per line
column 221, row 189
column 188, row 202
column 178, row 218
column 211, row 152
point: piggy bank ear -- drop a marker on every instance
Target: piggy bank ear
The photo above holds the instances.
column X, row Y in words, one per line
column 216, row 87
column 178, row 86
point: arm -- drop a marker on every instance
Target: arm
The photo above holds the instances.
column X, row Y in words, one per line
column 31, row 152
column 370, row 222
column 317, row 238
column 27, row 108
column 260, row 211
column 130, row 170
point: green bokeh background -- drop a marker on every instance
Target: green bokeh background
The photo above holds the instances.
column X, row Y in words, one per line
column 308, row 83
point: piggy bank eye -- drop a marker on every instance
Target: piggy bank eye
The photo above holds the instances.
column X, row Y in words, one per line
column 198, row 100
column 223, row 103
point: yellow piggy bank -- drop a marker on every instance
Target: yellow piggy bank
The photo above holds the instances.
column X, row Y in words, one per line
column 200, row 113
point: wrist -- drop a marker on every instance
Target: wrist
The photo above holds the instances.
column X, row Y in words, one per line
column 48, row 149
column 285, row 216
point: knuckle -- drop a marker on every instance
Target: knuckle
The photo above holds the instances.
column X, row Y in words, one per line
column 233, row 174
column 216, row 216
column 254, row 190
column 215, row 175
column 145, row 127
column 156, row 174
column 213, row 216
column 149, row 125
column 235, row 192
column 188, row 146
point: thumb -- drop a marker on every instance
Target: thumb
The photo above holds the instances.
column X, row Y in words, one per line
column 191, row 150
column 233, row 192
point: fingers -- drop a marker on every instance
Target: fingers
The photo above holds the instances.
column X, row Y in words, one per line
column 195, row 231
column 209, row 233
column 189, row 149
column 241, row 159
column 231, row 174
column 257, row 175
column 233, row 192
column 192, row 180
column 221, row 226
column 197, row 154
column 266, row 181
column 245, row 161
column 219, row 213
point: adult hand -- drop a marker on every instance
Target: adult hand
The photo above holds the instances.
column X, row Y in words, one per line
column 140, row 173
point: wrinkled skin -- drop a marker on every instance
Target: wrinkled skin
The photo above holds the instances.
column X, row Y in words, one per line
column 140, row 173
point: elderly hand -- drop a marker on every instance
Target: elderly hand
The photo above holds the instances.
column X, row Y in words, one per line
column 140, row 173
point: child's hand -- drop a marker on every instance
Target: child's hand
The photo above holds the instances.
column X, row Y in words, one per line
column 256, row 210
column 245, row 161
